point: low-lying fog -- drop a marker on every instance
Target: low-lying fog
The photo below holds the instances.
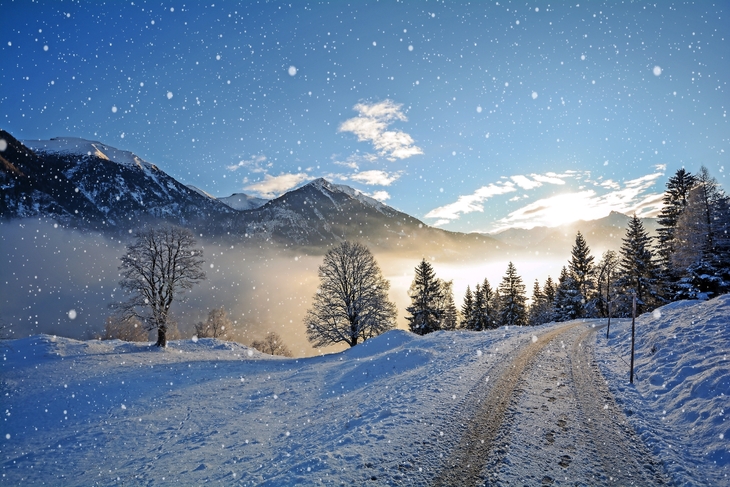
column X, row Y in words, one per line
column 48, row 271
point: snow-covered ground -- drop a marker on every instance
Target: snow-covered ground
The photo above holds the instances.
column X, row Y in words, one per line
column 680, row 398
column 383, row 413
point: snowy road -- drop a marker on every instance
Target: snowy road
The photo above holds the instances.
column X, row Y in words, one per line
column 548, row 418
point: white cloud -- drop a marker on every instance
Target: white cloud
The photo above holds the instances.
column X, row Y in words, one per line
column 371, row 125
column 379, row 195
column 628, row 198
column 550, row 178
column 255, row 164
column 273, row 186
column 525, row 182
column 375, row 177
column 471, row 202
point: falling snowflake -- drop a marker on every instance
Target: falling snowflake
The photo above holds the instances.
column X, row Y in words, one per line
column 657, row 71
column 72, row 314
column 292, row 71
column 169, row 95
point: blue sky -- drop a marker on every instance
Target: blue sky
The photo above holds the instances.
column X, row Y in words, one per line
column 471, row 116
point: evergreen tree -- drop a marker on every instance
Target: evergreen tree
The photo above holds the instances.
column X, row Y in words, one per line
column 467, row 310
column 538, row 313
column 513, row 308
column 702, row 242
column 450, row 317
column 478, row 321
column 548, row 291
column 674, row 202
column 425, row 294
column 581, row 269
column 491, row 316
column 567, row 304
column 638, row 271
column 496, row 307
column 606, row 281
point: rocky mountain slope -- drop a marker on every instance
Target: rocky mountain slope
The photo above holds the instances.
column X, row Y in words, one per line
column 91, row 185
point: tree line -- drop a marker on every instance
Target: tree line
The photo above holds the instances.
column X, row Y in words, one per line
column 688, row 259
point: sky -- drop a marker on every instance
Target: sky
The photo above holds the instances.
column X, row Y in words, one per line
column 473, row 117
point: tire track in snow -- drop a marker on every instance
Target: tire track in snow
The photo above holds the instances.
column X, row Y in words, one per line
column 625, row 458
column 465, row 463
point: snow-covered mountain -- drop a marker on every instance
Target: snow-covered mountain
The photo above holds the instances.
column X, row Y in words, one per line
column 87, row 183
column 243, row 202
column 90, row 184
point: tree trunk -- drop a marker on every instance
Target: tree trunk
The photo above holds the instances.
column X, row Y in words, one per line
column 161, row 337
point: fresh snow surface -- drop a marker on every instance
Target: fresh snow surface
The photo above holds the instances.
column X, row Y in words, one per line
column 680, row 400
column 74, row 145
column 110, row 412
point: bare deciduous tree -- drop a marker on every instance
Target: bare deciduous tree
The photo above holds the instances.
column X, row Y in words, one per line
column 128, row 329
column 216, row 326
column 351, row 303
column 272, row 345
column 161, row 264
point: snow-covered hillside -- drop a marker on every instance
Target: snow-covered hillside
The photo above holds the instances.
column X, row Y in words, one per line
column 82, row 147
column 81, row 413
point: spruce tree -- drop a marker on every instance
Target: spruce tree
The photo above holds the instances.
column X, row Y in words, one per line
column 491, row 318
column 450, row 317
column 567, row 304
column 549, row 290
column 513, row 308
column 425, row 294
column 478, row 321
column 674, row 202
column 538, row 309
column 702, row 241
column 581, row 270
column 495, row 303
column 467, row 310
column 638, row 271
column 605, row 281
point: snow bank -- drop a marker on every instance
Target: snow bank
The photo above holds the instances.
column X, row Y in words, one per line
column 681, row 394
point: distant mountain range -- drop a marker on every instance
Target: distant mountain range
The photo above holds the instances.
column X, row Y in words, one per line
column 88, row 184
column 601, row 234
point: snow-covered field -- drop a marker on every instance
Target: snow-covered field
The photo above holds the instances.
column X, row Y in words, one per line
column 115, row 413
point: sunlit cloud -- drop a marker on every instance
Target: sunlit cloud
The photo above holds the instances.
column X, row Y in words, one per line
column 371, row 125
column 470, row 203
column 375, row 177
column 630, row 198
column 255, row 164
column 273, row 186
column 550, row 178
column 525, row 183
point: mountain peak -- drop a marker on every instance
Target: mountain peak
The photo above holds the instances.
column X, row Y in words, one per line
column 321, row 184
column 82, row 147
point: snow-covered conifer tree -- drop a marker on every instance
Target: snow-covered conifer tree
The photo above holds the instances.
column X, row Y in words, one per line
column 513, row 307
column 638, row 271
column 425, row 293
column 450, row 316
column 581, row 269
column 467, row 310
column 567, row 304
